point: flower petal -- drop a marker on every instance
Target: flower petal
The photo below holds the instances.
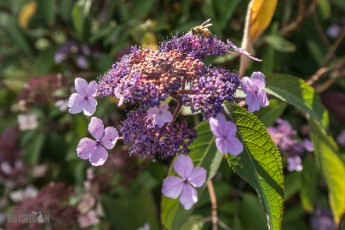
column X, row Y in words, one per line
column 90, row 106
column 247, row 86
column 222, row 145
column 252, row 102
column 85, row 147
column 81, row 86
column 258, row 79
column 98, row 156
column 230, row 129
column 262, row 98
column 183, row 166
column 198, row 177
column 109, row 138
column 172, row 187
column 91, row 89
column 76, row 103
column 189, row 196
column 96, row 128
column 217, row 125
column 152, row 112
column 166, row 116
column 234, row 146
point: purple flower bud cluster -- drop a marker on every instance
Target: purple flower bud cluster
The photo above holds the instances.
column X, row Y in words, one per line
column 195, row 46
column 147, row 77
column 285, row 137
column 70, row 49
column 210, row 91
column 148, row 139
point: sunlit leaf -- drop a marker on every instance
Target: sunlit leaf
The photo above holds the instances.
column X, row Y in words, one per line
column 26, row 13
column 332, row 167
column 259, row 164
column 262, row 12
column 298, row 93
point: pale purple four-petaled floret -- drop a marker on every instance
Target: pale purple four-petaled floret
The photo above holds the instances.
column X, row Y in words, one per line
column 183, row 187
column 83, row 99
column 160, row 115
column 96, row 150
column 225, row 133
column 254, row 87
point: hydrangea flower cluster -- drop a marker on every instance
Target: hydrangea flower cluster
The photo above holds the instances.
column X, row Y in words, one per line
column 147, row 77
column 285, row 137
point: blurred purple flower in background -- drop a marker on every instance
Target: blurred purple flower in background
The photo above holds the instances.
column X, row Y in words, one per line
column 225, row 133
column 78, row 53
column 84, row 99
column 184, row 187
column 341, row 138
column 285, row 137
column 254, row 87
column 294, row 163
column 323, row 220
column 160, row 115
column 96, row 151
column 333, row 31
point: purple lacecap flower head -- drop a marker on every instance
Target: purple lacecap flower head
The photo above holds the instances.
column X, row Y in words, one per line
column 225, row 133
column 146, row 226
column 341, row 138
column 210, row 91
column 294, row 164
column 160, row 115
column 148, row 139
column 184, row 186
column 96, row 151
column 236, row 50
column 84, row 99
column 256, row 94
column 323, row 220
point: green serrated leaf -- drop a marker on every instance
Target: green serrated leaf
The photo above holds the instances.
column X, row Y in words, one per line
column 260, row 163
column 332, row 167
column 298, row 93
column 203, row 153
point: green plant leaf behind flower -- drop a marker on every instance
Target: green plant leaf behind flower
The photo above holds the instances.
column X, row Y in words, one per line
column 298, row 93
column 332, row 168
